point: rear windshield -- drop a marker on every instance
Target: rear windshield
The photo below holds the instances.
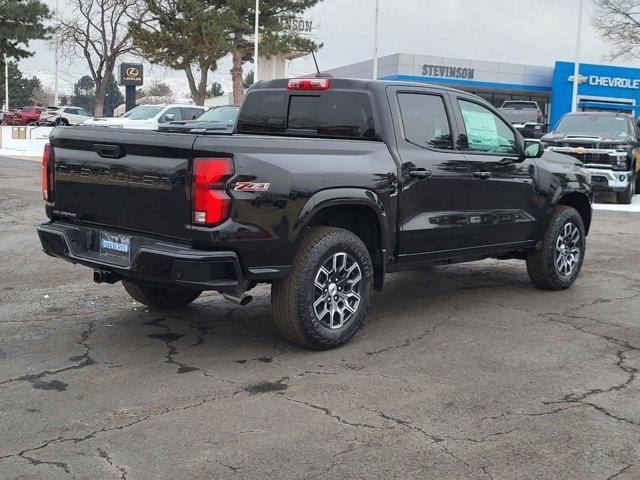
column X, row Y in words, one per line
column 324, row 114
column 519, row 105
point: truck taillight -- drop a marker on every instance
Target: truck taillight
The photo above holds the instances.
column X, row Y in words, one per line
column 46, row 156
column 210, row 200
column 309, row 84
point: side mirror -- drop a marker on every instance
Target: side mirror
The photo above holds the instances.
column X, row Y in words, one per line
column 169, row 117
column 532, row 149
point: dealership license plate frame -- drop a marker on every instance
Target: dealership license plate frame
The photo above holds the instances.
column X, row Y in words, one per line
column 115, row 245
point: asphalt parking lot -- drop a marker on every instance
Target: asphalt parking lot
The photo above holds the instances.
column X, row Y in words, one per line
column 462, row 372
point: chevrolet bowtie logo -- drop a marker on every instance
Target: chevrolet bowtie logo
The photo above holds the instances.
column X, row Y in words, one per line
column 580, row 150
column 581, row 78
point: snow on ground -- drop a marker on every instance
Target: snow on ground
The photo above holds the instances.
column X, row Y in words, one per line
column 614, row 207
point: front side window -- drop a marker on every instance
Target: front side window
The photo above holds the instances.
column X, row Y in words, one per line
column 175, row 111
column 486, row 132
column 83, row 112
column 425, row 121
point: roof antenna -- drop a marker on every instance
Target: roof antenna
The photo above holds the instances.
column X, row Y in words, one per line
column 318, row 74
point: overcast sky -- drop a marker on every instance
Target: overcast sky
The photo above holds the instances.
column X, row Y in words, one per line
column 520, row 31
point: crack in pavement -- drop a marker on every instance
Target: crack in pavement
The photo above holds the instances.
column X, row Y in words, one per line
column 329, row 413
column 620, row 472
column 92, row 434
column 121, row 470
column 83, row 360
column 620, row 355
column 407, row 342
column 435, row 440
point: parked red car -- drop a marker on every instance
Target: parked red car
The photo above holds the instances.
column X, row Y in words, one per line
column 24, row 116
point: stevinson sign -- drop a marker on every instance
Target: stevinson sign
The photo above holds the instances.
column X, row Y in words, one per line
column 611, row 82
column 447, row 71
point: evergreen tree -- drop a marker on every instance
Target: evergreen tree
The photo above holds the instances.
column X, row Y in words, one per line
column 248, row 80
column 184, row 35
column 275, row 36
column 84, row 93
column 20, row 22
column 113, row 98
column 216, row 90
column 20, row 89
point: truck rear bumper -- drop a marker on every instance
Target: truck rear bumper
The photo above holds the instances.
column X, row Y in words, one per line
column 150, row 260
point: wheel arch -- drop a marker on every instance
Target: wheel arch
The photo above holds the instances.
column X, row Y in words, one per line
column 357, row 210
column 580, row 201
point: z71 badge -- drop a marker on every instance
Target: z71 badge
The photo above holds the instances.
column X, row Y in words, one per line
column 251, row 187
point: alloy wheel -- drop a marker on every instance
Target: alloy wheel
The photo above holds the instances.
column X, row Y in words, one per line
column 567, row 253
column 337, row 290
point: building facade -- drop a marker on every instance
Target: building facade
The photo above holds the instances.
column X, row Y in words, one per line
column 600, row 87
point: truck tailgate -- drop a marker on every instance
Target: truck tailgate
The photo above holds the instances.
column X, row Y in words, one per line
column 123, row 179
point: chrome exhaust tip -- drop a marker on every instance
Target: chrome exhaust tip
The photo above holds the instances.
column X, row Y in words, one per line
column 240, row 298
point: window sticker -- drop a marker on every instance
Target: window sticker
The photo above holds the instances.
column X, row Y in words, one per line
column 481, row 128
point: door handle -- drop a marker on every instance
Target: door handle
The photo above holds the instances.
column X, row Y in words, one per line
column 420, row 174
column 482, row 175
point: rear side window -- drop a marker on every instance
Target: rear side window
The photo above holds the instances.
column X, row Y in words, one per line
column 326, row 114
column 425, row 121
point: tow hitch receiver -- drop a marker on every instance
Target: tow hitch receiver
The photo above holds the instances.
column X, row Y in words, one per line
column 104, row 276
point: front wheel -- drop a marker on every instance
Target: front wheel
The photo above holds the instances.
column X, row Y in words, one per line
column 626, row 197
column 557, row 264
column 160, row 296
column 324, row 300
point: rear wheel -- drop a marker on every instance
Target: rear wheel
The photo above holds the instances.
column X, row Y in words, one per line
column 324, row 300
column 557, row 264
column 160, row 296
column 626, row 197
column 61, row 122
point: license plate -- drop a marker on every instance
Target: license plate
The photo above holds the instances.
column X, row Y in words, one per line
column 118, row 246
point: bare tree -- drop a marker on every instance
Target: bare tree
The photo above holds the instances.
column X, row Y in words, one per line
column 98, row 30
column 618, row 21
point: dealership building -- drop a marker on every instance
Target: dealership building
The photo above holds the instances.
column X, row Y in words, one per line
column 601, row 87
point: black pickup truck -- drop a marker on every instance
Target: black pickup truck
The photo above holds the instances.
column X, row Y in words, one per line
column 324, row 186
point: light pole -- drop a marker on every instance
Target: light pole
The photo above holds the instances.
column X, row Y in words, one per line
column 255, row 42
column 56, row 59
column 375, row 41
column 576, row 65
column 6, row 82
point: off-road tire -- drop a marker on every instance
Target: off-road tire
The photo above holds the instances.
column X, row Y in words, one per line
column 160, row 297
column 292, row 297
column 625, row 197
column 541, row 262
